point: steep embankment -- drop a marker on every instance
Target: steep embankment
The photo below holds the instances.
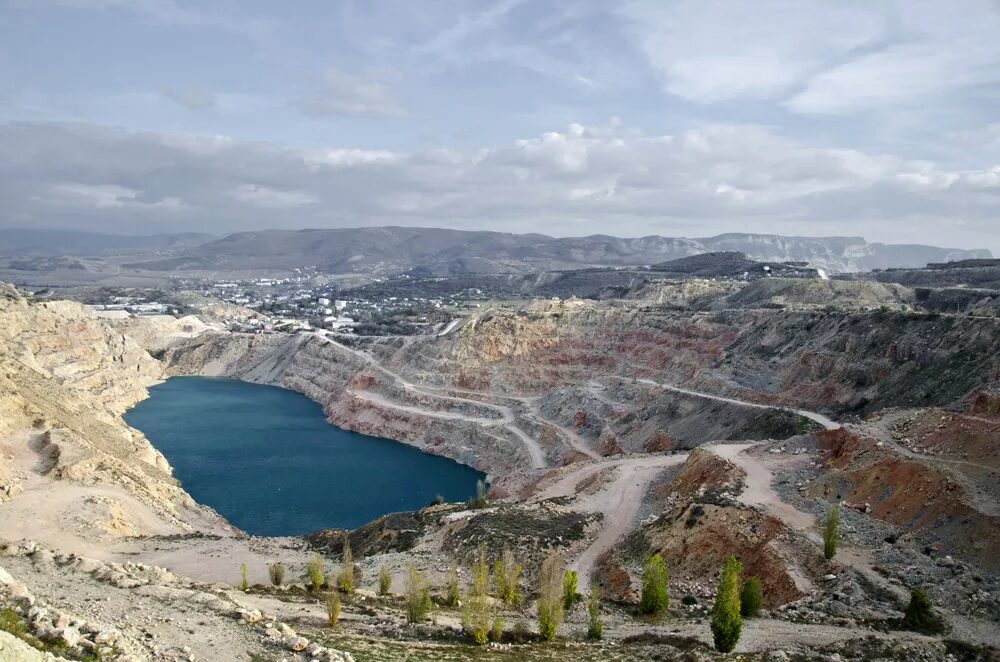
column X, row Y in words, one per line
column 72, row 472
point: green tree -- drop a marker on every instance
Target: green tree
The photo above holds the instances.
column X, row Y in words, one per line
column 920, row 616
column 727, row 625
column 345, row 580
column 454, row 594
column 655, row 596
column 570, row 581
column 477, row 614
column 496, row 630
column 550, row 599
column 418, row 596
column 314, row 572
column 595, row 630
column 830, row 532
column 384, row 581
column 332, row 608
column 244, row 584
column 479, row 501
column 506, row 577
column 751, row 597
column 276, row 571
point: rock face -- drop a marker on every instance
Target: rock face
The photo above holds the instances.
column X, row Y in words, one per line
column 66, row 377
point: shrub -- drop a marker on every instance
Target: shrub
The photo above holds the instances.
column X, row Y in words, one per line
column 506, row 575
column 244, row 584
column 570, row 597
column 595, row 630
column 345, row 580
column 276, row 571
column 751, row 597
column 453, row 595
column 726, row 622
column 418, row 596
column 550, row 599
column 384, row 581
column 332, row 608
column 830, row 532
column 479, row 501
column 496, row 631
column 314, row 572
column 655, row 597
column 520, row 633
column 920, row 616
column 477, row 616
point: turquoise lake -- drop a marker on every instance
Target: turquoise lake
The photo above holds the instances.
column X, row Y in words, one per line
column 267, row 460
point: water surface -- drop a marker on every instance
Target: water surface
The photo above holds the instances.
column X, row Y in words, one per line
column 266, row 459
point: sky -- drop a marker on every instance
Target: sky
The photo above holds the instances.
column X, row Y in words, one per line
column 568, row 117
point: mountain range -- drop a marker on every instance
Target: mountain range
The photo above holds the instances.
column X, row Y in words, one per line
column 435, row 251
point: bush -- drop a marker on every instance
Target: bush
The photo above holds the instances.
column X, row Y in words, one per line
column 751, row 597
column 314, row 572
column 726, row 622
column 479, row 501
column 550, row 599
column 506, row 575
column 655, row 597
column 595, row 630
column 418, row 596
column 477, row 615
column 520, row 633
column 920, row 616
column 345, row 580
column 496, row 631
column 332, row 608
column 570, row 597
column 276, row 571
column 830, row 532
column 384, row 581
column 453, row 595
column 244, row 584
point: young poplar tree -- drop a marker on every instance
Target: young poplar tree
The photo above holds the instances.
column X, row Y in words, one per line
column 655, row 597
column 830, row 532
column 727, row 625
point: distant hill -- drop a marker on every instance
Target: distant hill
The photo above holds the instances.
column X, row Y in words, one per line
column 30, row 242
column 435, row 251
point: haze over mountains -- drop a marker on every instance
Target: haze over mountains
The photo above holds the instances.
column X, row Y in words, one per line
column 442, row 251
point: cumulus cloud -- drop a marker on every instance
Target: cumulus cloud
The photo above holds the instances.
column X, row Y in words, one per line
column 577, row 181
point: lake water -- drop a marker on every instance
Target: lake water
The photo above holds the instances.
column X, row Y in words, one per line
column 266, row 459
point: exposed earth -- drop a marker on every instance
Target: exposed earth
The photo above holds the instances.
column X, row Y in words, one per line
column 694, row 419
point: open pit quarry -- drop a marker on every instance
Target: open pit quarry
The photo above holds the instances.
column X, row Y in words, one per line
column 692, row 420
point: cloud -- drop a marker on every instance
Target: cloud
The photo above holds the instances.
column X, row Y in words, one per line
column 365, row 94
column 581, row 180
column 266, row 197
column 817, row 57
column 190, row 98
column 165, row 12
column 716, row 50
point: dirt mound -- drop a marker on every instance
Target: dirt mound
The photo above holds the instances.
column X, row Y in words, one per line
column 920, row 499
column 695, row 539
column 703, row 473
